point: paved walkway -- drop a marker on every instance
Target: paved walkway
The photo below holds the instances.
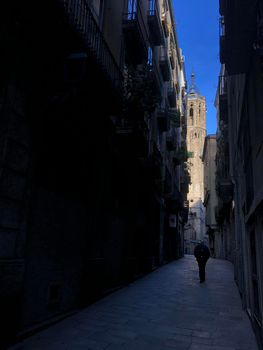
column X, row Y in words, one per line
column 165, row 310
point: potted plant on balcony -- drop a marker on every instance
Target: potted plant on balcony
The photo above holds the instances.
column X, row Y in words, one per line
column 139, row 96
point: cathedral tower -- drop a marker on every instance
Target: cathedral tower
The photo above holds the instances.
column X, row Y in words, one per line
column 196, row 133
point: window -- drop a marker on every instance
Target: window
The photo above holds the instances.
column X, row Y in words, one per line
column 191, row 112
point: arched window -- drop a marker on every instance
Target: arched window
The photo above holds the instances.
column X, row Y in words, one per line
column 191, row 114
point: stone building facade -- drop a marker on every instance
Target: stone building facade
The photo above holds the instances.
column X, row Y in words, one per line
column 196, row 133
column 91, row 109
column 239, row 152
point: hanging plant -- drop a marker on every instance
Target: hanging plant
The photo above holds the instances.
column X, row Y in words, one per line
column 138, row 93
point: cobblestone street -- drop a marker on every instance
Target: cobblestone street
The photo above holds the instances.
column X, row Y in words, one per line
column 167, row 309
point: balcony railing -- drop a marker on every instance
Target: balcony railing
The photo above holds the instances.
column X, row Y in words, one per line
column 164, row 64
column 223, row 104
column 171, row 140
column 175, row 117
column 154, row 22
column 168, row 182
column 80, row 17
column 222, row 85
column 171, row 95
column 226, row 189
column 222, row 40
column 135, row 33
column 124, row 127
column 185, row 211
column 156, row 76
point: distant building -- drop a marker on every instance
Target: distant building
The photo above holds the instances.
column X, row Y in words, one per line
column 210, row 195
column 196, row 133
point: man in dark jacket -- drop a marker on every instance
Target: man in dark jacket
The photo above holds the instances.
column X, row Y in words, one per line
column 202, row 254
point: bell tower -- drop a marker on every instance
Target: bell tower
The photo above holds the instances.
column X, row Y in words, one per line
column 196, row 133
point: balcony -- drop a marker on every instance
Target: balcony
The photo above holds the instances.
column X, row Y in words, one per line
column 223, row 49
column 155, row 77
column 171, row 140
column 168, row 186
column 240, row 34
column 171, row 95
column 222, row 41
column 163, row 120
column 154, row 23
column 164, row 64
column 223, row 102
column 124, row 127
column 179, row 157
column 80, row 17
column 172, row 57
column 225, row 190
column 165, row 23
column 175, row 117
column 135, row 34
column 184, row 212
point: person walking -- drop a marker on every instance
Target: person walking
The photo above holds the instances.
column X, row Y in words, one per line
column 202, row 254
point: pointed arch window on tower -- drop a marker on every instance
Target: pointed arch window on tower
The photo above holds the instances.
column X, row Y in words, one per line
column 191, row 114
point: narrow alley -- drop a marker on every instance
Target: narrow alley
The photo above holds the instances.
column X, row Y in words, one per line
column 167, row 309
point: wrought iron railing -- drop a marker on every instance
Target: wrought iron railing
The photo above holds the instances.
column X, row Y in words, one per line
column 154, row 69
column 163, row 54
column 81, row 18
column 222, row 26
column 222, row 85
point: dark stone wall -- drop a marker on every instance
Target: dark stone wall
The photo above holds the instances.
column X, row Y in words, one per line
column 54, row 254
column 78, row 214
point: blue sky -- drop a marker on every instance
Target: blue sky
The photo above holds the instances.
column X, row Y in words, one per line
column 198, row 35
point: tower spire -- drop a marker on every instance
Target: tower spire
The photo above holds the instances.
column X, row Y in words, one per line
column 193, row 89
column 193, row 79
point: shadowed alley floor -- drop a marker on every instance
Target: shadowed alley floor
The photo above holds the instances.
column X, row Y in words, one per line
column 167, row 309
